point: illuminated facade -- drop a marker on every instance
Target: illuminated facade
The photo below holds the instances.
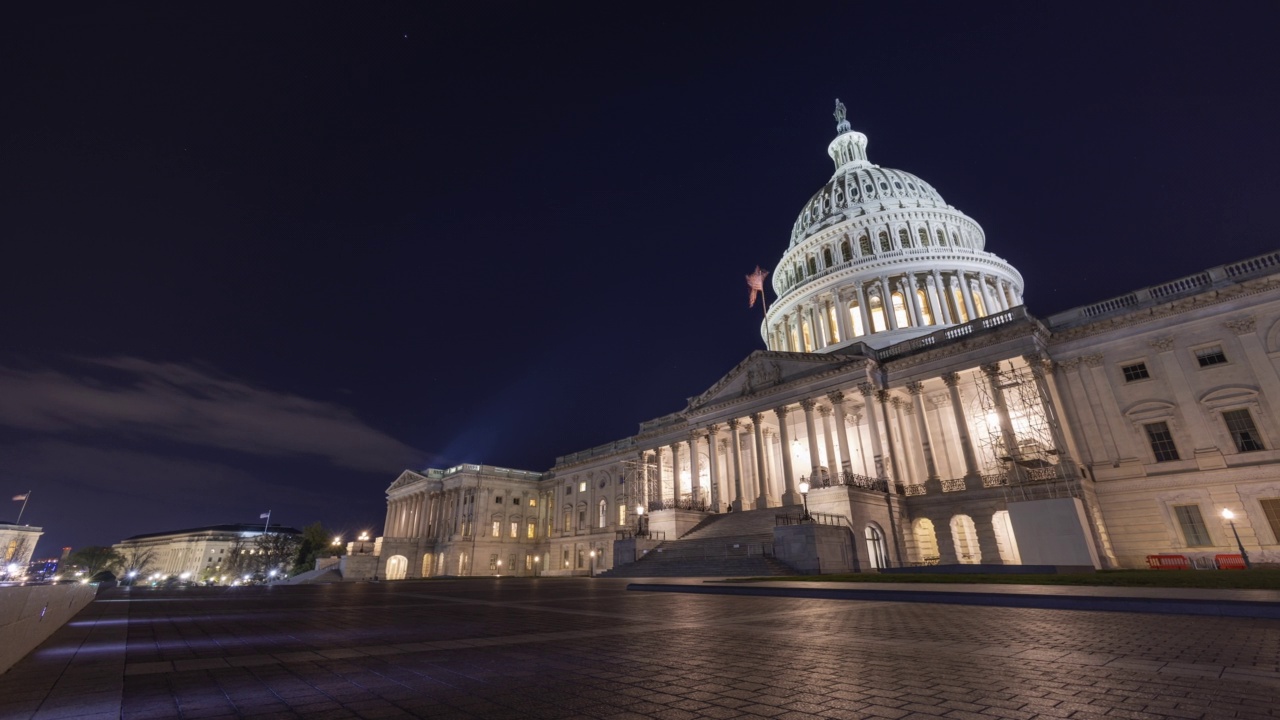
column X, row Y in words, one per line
column 197, row 553
column 931, row 414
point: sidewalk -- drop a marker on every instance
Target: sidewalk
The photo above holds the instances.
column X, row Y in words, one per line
column 1166, row 601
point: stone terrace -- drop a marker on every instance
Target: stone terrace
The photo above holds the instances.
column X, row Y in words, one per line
column 579, row 648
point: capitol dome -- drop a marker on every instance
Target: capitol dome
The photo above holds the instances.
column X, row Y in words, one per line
column 874, row 238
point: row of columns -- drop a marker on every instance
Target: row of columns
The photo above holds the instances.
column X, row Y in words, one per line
column 941, row 287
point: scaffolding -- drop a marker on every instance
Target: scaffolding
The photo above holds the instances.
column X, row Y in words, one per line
column 1017, row 446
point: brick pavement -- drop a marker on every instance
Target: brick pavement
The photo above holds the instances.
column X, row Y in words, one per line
column 569, row 648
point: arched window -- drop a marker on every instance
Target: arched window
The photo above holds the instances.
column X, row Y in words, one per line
column 799, row 271
column 603, row 513
column 813, row 265
column 900, row 312
column 826, row 257
column 884, row 242
column 942, row 236
column 876, row 311
column 846, row 252
column 926, row 541
column 877, row 553
column 904, row 237
column 864, row 245
column 922, row 299
column 924, row 237
column 855, row 320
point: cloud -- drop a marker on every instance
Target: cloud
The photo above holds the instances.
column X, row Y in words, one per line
column 137, row 399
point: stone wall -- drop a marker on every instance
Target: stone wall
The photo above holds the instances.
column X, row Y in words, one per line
column 29, row 614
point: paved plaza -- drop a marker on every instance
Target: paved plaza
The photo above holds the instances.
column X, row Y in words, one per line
column 570, row 648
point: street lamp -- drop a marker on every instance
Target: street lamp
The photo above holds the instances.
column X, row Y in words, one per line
column 132, row 574
column 536, row 558
column 1230, row 518
column 640, row 520
column 499, row 573
column 804, row 494
column 593, row 563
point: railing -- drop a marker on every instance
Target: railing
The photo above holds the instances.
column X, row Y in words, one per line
column 995, row 480
column 813, row 519
column 1244, row 267
column 911, row 490
column 953, row 485
column 703, row 551
column 658, row 535
column 849, row 479
column 681, row 504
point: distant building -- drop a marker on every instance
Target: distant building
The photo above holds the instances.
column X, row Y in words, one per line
column 17, row 544
column 928, row 412
column 202, row 553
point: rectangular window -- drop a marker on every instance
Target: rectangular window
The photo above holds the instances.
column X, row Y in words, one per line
column 622, row 514
column 530, row 532
column 582, row 558
column 1161, row 442
column 582, row 519
column 497, row 499
column 497, row 528
column 1210, row 356
column 515, row 501
column 566, row 557
column 1243, row 432
column 568, row 521
column 528, row 562
column 1193, row 529
column 582, row 487
column 515, row 529
column 1271, row 507
column 1137, row 371
column 511, row 563
column 533, row 502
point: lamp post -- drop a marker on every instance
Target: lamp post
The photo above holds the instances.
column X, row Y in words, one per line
column 640, row 521
column 592, row 571
column 804, row 495
column 1230, row 518
column 536, row 559
column 499, row 573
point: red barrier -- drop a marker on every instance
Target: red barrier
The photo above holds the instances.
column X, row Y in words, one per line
column 1168, row 562
column 1233, row 561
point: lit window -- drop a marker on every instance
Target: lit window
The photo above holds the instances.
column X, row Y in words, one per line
column 622, row 514
column 493, row 562
column 528, row 562
column 515, row 529
column 497, row 527
column 582, row 487
column 533, row 502
column 1137, row 371
column 530, row 532
column 1193, row 529
column 1210, row 356
column 1243, row 432
column 1161, row 442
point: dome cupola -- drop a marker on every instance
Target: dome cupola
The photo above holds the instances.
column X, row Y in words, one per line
column 877, row 256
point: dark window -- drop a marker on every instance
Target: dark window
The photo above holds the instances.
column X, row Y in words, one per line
column 924, row 237
column 813, row 266
column 1271, row 507
column 864, row 243
column 1193, row 529
column 884, row 241
column 904, row 237
column 846, row 252
column 1210, row 356
column 826, row 257
column 1137, row 371
column 1161, row 442
column 515, row 501
column 497, row 499
column 942, row 237
column 1243, row 431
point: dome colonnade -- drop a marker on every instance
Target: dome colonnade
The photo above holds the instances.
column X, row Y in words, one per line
column 878, row 256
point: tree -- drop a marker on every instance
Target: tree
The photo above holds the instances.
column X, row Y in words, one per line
column 95, row 559
column 316, row 542
column 136, row 561
column 18, row 554
column 276, row 550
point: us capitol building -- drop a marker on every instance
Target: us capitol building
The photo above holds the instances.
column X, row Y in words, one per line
column 930, row 417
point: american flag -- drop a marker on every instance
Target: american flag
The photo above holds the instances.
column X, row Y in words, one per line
column 20, row 498
column 755, row 281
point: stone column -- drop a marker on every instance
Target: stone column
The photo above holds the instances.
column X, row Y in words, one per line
column 762, row 501
column 987, row 545
column 965, row 295
column 882, row 399
column 943, row 308
column 657, row 475
column 789, row 493
column 922, row 429
column 389, row 521
column 842, row 318
column 1039, row 369
column 992, row 371
column 946, row 543
column 814, row 457
column 677, row 487
column 904, row 440
column 695, row 488
column 873, row 429
column 886, row 304
column 833, row 464
column 952, row 381
column 863, row 313
column 737, row 464
column 913, row 301
column 843, row 452
column 713, row 460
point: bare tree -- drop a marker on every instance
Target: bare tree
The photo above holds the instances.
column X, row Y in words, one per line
column 135, row 561
column 17, row 553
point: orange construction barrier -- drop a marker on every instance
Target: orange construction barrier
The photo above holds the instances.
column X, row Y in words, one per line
column 1233, row 561
column 1169, row 562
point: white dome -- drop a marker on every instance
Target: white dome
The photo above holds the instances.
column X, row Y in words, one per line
column 872, row 233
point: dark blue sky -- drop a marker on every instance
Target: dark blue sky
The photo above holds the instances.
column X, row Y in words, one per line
column 265, row 256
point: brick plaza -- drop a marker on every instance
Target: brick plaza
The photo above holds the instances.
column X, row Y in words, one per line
column 580, row 648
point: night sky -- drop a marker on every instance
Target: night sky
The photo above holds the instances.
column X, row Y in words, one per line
column 265, row 256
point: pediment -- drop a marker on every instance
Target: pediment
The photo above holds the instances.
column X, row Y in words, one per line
column 764, row 369
column 407, row 477
column 1229, row 395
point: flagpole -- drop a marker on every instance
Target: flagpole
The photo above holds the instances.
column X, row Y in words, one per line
column 264, row 527
column 25, row 500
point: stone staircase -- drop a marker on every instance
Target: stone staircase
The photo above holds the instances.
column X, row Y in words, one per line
column 738, row 544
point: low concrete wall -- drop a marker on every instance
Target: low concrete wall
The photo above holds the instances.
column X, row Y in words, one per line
column 631, row 549
column 29, row 614
column 815, row 549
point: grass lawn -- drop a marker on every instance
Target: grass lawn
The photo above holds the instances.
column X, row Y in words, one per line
column 1209, row 579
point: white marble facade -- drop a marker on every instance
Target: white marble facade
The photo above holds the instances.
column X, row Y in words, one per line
column 904, row 372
